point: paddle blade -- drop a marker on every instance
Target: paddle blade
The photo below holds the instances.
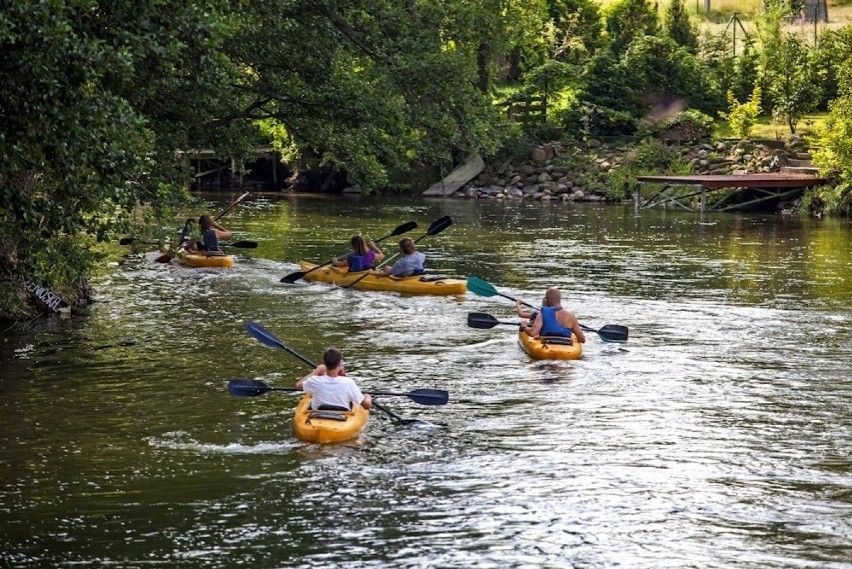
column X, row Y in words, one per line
column 439, row 225
column 428, row 396
column 292, row 277
column 247, row 387
column 481, row 320
column 163, row 259
column 404, row 228
column 481, row 287
column 613, row 333
column 245, row 244
column 264, row 336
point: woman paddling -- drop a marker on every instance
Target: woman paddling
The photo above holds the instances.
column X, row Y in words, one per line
column 211, row 232
column 362, row 256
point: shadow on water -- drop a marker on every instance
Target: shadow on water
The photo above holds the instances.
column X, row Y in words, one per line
column 717, row 437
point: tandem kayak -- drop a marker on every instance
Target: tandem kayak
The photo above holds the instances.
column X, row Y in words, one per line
column 203, row 259
column 328, row 426
column 550, row 347
column 418, row 284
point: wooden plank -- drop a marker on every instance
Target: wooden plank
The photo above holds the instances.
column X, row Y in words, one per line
column 457, row 178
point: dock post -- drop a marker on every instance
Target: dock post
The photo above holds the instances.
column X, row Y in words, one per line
column 636, row 199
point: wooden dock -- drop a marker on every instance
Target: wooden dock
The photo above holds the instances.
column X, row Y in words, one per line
column 770, row 186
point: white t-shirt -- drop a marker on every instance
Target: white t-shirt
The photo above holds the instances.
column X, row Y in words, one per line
column 408, row 265
column 326, row 390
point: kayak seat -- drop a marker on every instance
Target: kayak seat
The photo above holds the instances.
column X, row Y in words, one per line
column 430, row 278
column 332, row 408
column 333, row 415
column 557, row 341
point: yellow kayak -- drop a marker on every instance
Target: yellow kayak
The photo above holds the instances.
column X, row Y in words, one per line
column 328, row 426
column 418, row 284
column 551, row 347
column 202, row 259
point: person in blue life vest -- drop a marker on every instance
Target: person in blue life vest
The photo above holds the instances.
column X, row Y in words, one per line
column 363, row 255
column 329, row 386
column 211, row 232
column 527, row 316
column 555, row 320
column 411, row 262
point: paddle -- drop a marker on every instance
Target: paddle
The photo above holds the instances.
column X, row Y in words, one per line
column 485, row 321
column 437, row 226
column 404, row 228
column 267, row 338
column 608, row 333
column 238, row 244
column 166, row 258
column 255, row 387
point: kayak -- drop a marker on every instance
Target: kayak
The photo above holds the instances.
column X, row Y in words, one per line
column 418, row 284
column 550, row 347
column 328, row 426
column 202, row 259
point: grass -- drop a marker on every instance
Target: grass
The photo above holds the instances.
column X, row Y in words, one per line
column 766, row 129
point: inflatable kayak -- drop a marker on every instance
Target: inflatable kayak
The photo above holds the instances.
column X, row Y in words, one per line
column 551, row 347
column 418, row 284
column 328, row 426
column 203, row 259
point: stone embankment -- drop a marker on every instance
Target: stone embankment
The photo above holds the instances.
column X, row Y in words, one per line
column 588, row 172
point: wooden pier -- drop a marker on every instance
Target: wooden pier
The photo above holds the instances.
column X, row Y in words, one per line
column 770, row 186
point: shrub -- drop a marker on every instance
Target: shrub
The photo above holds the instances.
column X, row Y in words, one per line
column 742, row 116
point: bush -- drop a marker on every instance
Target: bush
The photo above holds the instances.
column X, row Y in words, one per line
column 742, row 116
column 686, row 125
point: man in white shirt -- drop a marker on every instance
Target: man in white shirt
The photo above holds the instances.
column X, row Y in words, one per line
column 330, row 387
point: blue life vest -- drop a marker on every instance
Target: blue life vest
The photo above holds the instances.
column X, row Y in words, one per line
column 210, row 241
column 361, row 262
column 550, row 326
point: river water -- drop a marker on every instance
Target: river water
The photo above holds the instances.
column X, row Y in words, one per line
column 719, row 436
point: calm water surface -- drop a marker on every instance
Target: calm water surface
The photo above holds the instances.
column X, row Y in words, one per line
column 719, row 436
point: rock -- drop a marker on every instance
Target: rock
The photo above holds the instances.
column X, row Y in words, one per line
column 539, row 154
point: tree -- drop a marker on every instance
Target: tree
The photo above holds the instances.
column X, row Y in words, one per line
column 786, row 74
column 627, row 20
column 677, row 26
column 834, row 152
column 93, row 99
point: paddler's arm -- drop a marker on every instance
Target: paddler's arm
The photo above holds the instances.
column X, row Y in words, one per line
column 319, row 370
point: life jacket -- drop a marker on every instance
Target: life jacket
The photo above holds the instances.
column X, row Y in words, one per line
column 361, row 262
column 209, row 240
column 550, row 326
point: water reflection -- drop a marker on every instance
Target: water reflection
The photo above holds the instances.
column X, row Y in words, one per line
column 717, row 437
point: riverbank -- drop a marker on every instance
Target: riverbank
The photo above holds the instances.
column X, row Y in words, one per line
column 598, row 171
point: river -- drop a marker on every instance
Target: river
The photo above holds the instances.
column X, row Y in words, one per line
column 718, row 436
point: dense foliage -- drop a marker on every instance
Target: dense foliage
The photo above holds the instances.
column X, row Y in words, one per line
column 100, row 100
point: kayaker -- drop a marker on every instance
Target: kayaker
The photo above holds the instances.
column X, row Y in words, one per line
column 527, row 316
column 411, row 262
column 330, row 388
column 555, row 320
column 211, row 232
column 363, row 255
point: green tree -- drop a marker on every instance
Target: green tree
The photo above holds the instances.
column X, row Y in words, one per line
column 92, row 100
column 787, row 77
column 832, row 50
column 742, row 117
column 677, row 26
column 627, row 20
column 834, row 146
